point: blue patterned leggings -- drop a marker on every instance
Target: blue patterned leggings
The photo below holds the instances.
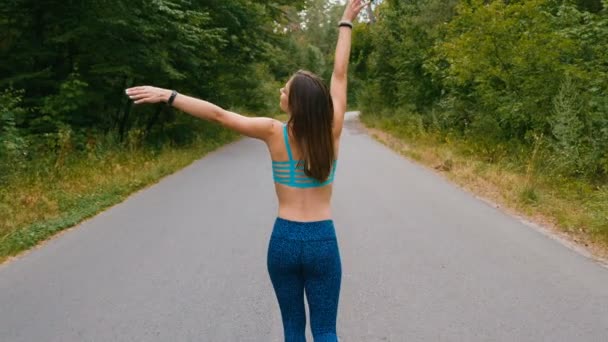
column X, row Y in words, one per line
column 304, row 256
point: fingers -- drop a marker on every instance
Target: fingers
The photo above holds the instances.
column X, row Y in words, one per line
column 146, row 98
column 138, row 96
column 361, row 4
column 354, row 7
column 143, row 94
column 134, row 90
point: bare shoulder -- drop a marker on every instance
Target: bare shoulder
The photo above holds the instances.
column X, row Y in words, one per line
column 271, row 124
column 275, row 128
column 276, row 125
column 259, row 127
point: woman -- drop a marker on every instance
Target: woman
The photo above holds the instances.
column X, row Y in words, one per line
column 303, row 252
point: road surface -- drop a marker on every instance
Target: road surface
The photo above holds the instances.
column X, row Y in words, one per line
column 185, row 260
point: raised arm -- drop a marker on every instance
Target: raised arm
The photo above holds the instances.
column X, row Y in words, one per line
column 259, row 128
column 339, row 76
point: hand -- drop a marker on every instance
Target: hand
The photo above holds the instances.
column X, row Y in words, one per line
column 353, row 7
column 148, row 94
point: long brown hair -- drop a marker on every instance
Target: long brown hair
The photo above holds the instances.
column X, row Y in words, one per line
column 311, row 121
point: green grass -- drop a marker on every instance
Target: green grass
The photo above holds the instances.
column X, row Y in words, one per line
column 49, row 197
column 529, row 195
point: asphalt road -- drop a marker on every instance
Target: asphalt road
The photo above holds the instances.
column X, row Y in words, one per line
column 185, row 260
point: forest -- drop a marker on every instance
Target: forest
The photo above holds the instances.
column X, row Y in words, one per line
column 520, row 83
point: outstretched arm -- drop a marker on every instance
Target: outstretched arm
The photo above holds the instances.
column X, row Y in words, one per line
column 259, row 128
column 339, row 76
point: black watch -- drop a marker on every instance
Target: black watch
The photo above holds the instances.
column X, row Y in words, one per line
column 172, row 97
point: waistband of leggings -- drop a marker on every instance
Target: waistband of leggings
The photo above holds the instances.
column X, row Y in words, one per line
column 303, row 231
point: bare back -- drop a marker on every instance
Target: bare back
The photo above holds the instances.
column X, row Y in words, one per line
column 299, row 204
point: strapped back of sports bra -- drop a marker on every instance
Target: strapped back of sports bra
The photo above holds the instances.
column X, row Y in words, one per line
column 289, row 173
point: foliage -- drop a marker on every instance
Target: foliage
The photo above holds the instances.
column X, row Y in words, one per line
column 498, row 73
column 13, row 148
column 71, row 62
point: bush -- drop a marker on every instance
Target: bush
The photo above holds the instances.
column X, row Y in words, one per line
column 13, row 147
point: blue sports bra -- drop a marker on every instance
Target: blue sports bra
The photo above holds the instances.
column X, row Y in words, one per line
column 290, row 174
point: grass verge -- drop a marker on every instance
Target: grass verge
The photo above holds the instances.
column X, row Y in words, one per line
column 51, row 197
column 573, row 209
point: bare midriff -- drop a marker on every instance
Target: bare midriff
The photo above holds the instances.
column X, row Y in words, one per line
column 311, row 204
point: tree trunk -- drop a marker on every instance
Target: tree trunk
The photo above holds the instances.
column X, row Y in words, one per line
column 125, row 119
column 154, row 119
